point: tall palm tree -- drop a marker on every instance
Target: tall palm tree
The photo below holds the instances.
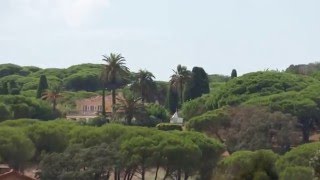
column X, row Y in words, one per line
column 115, row 74
column 179, row 79
column 144, row 84
column 129, row 106
column 52, row 94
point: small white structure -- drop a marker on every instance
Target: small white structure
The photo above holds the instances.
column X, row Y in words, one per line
column 175, row 119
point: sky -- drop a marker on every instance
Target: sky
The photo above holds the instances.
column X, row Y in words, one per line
column 157, row 35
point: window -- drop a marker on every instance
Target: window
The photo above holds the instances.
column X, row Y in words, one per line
column 91, row 108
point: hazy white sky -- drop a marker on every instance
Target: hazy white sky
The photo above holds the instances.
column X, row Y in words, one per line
column 157, row 35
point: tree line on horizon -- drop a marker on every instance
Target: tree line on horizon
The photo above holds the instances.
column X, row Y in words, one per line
column 184, row 85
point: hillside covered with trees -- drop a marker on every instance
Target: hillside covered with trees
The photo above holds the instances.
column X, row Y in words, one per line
column 260, row 125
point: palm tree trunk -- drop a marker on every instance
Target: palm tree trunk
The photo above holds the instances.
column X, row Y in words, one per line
column 142, row 94
column 113, row 101
column 143, row 173
column 166, row 174
column 157, row 170
column 181, row 91
column 54, row 104
column 103, row 102
column 179, row 174
column 186, row 176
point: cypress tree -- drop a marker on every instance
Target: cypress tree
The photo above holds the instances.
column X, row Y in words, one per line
column 198, row 85
column 234, row 73
column 43, row 85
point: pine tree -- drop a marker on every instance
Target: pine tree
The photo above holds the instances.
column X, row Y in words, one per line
column 43, row 85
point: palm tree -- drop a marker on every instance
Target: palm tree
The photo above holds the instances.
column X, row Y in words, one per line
column 144, row 84
column 52, row 94
column 115, row 74
column 179, row 79
column 129, row 106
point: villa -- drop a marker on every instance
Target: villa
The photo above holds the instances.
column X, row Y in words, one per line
column 90, row 108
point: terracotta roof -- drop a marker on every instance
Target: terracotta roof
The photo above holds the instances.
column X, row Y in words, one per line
column 16, row 174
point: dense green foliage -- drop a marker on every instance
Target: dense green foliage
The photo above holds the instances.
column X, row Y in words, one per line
column 252, row 85
column 15, row 147
column 169, row 127
column 278, row 91
column 9, row 69
column 299, row 156
column 248, row 165
column 296, row 164
column 158, row 112
column 76, row 82
column 116, row 148
column 78, row 77
column 297, row 173
column 88, row 81
column 248, row 128
column 24, row 107
column 268, row 110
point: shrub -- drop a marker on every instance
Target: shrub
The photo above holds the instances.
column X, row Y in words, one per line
column 249, row 165
column 157, row 111
column 297, row 173
column 169, row 127
column 299, row 156
column 15, row 147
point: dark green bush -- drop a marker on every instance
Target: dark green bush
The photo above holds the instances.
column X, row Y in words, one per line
column 158, row 111
column 9, row 69
column 169, row 127
column 297, row 173
column 88, row 81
